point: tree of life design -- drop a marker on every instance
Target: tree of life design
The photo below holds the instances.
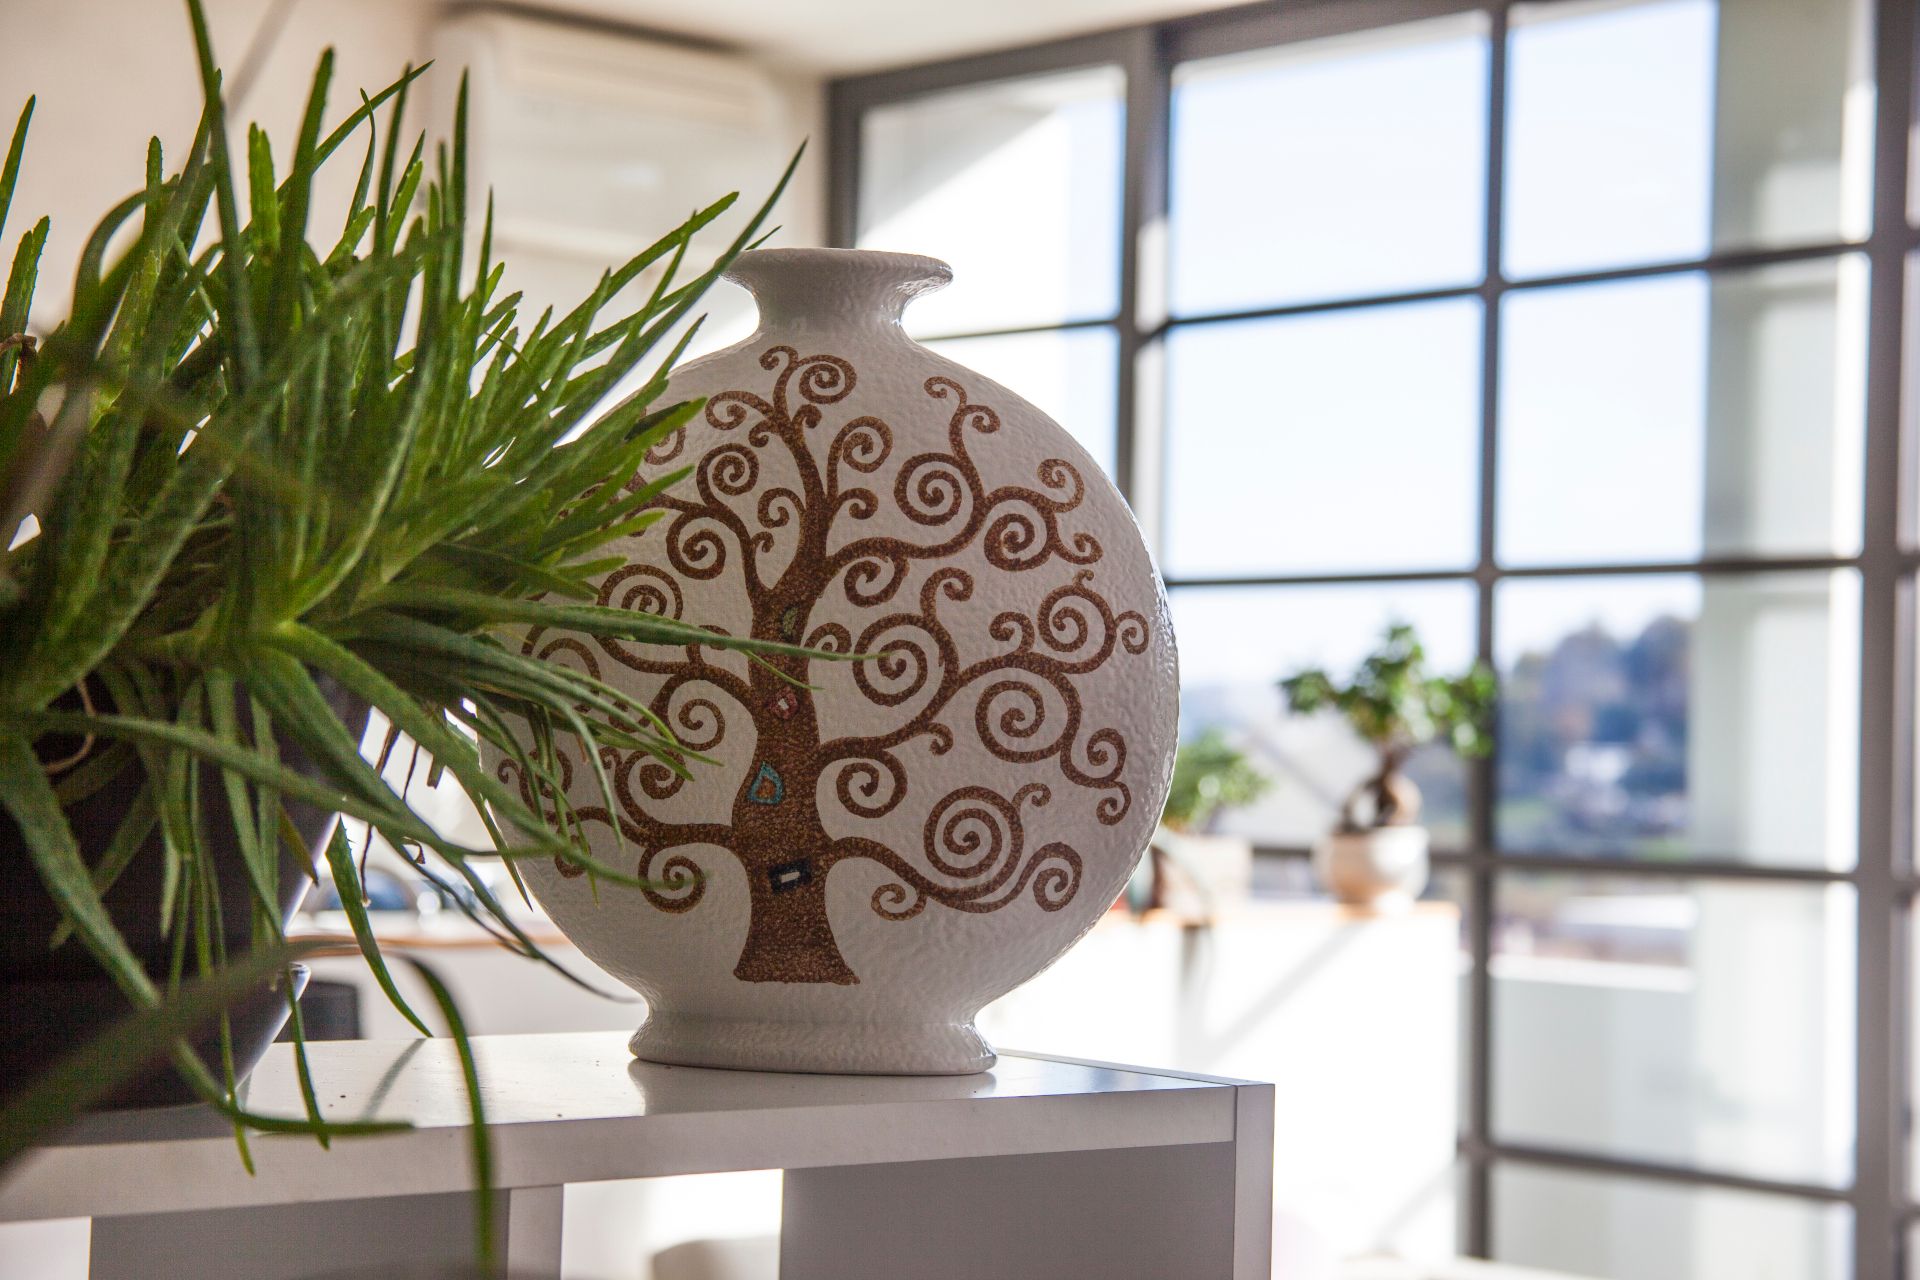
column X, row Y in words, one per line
column 1020, row 701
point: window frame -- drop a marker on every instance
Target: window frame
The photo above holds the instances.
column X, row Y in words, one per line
column 1884, row 1211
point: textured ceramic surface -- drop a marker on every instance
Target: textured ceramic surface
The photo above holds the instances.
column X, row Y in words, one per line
column 868, row 861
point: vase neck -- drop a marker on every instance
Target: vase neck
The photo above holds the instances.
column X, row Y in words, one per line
column 794, row 287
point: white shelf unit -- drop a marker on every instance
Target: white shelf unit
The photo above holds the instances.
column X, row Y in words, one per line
column 1042, row 1167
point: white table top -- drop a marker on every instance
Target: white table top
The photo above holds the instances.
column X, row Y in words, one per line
column 578, row 1108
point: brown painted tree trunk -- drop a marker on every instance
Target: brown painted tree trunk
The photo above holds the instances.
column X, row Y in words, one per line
column 779, row 839
column 788, row 936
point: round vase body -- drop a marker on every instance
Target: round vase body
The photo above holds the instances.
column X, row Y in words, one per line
column 873, row 848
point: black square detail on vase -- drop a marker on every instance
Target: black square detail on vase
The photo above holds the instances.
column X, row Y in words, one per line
column 790, row 875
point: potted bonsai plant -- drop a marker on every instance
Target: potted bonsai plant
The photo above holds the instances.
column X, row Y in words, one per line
column 264, row 481
column 1196, row 870
column 1378, row 850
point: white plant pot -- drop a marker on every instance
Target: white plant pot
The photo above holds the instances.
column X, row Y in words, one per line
column 1383, row 867
column 879, row 847
column 1201, row 877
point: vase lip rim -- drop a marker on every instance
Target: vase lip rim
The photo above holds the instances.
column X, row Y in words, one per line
column 906, row 270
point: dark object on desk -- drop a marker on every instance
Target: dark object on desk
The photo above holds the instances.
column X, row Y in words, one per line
column 329, row 1011
column 54, row 999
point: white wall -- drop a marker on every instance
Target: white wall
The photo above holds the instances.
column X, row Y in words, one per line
column 111, row 73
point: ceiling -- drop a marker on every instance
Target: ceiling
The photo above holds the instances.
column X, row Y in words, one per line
column 841, row 37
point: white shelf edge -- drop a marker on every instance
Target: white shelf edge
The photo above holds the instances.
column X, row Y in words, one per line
column 110, row 1178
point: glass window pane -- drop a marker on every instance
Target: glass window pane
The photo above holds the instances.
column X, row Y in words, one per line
column 1913, row 153
column 1737, row 431
column 1016, row 184
column 1068, row 373
column 1669, row 716
column 1658, row 130
column 1236, row 643
column 1291, row 447
column 1593, row 1225
column 1609, row 134
column 1331, row 168
column 1910, row 391
column 1700, row 1023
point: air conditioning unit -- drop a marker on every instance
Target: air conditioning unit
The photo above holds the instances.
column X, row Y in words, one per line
column 594, row 143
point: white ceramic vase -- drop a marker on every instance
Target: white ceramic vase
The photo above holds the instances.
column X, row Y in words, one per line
column 877, row 847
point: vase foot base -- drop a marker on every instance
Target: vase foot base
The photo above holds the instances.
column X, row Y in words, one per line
column 829, row 1048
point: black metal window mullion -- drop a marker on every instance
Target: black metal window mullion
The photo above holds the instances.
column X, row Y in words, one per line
column 1724, row 566
column 1882, row 958
column 1143, row 214
column 1021, row 330
column 1726, row 260
column 1483, row 886
column 1884, row 884
column 846, row 110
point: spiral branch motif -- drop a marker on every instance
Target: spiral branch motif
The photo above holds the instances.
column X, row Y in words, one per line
column 675, row 884
column 567, row 650
column 871, row 786
column 862, row 446
column 549, row 803
column 643, row 588
column 695, row 548
column 975, row 841
column 1026, row 706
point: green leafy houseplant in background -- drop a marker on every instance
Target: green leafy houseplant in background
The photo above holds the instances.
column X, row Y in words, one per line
column 1396, row 704
column 269, row 463
column 1189, row 870
column 1210, row 774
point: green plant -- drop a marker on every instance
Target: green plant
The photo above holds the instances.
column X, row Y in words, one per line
column 1396, row 704
column 1210, row 774
column 261, row 461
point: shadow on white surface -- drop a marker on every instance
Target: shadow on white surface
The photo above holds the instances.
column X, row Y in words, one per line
column 752, row 1258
